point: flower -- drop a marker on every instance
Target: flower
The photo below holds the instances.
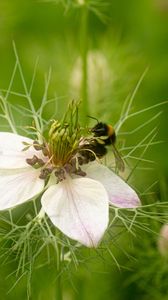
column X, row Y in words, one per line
column 76, row 204
column 76, row 190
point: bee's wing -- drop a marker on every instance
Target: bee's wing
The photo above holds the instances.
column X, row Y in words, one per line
column 119, row 161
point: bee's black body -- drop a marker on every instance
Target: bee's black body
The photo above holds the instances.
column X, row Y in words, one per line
column 92, row 151
column 104, row 130
column 104, row 135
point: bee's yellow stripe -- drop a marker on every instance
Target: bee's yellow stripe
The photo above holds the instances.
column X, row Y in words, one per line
column 110, row 130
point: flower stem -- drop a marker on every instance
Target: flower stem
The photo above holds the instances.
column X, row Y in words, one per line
column 84, row 54
column 58, row 288
column 58, row 291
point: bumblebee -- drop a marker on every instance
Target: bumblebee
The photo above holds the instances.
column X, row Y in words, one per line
column 105, row 132
column 103, row 135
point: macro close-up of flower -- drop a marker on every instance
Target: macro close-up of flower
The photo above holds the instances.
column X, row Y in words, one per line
column 75, row 192
column 83, row 136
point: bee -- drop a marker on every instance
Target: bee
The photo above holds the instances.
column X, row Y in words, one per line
column 103, row 135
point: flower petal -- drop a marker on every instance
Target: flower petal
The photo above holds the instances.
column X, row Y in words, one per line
column 119, row 192
column 18, row 186
column 79, row 208
column 12, row 155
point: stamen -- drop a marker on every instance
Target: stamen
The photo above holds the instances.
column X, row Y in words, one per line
column 62, row 149
column 73, row 168
column 40, row 162
column 60, row 174
column 37, row 146
column 41, row 147
column 35, row 161
column 80, row 172
column 45, row 151
column 45, row 173
column 32, row 161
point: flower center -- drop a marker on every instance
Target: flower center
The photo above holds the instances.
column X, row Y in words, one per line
column 62, row 148
column 63, row 143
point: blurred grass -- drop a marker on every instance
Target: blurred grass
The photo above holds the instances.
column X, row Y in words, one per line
column 133, row 37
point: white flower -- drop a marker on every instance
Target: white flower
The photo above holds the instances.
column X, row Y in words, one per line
column 77, row 205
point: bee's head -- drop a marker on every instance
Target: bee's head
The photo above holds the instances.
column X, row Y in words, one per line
column 100, row 129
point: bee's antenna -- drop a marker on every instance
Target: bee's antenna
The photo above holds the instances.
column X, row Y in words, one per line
column 93, row 118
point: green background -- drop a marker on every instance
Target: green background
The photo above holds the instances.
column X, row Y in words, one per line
column 123, row 40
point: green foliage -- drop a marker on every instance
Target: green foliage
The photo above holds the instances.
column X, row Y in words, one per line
column 60, row 52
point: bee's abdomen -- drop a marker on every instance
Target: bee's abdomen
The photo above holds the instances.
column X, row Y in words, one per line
column 92, row 151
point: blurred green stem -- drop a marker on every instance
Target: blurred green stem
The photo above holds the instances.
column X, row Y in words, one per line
column 84, row 54
column 58, row 291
